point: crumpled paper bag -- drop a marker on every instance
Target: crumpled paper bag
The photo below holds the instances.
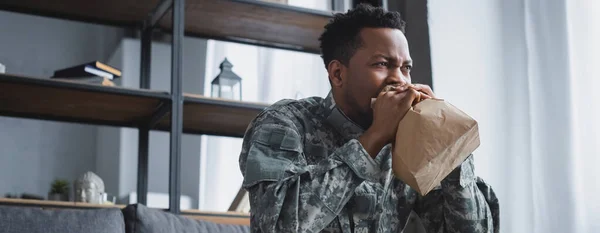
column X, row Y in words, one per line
column 433, row 138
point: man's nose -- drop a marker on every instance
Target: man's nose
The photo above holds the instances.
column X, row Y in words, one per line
column 397, row 77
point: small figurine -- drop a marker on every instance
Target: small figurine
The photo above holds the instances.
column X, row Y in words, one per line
column 89, row 188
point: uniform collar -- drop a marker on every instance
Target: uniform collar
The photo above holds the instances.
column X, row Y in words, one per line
column 336, row 118
column 350, row 130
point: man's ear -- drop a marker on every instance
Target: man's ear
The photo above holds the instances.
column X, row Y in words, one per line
column 336, row 72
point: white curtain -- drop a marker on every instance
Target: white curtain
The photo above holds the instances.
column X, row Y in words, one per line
column 584, row 31
column 562, row 127
column 528, row 71
column 583, row 26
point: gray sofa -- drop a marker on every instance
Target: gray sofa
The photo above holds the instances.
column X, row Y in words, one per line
column 134, row 218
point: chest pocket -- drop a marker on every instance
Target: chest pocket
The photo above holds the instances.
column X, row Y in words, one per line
column 364, row 204
column 315, row 153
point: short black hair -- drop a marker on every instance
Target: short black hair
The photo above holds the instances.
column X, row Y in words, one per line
column 341, row 37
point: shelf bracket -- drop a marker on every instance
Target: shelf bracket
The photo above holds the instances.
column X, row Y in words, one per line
column 176, row 106
column 142, row 176
column 162, row 111
column 157, row 14
column 144, row 130
column 143, row 147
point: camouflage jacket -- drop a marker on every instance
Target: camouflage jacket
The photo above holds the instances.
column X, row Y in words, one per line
column 305, row 171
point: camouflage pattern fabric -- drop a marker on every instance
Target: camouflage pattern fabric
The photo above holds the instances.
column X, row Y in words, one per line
column 305, row 171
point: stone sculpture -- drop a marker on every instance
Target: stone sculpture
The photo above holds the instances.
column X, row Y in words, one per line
column 89, row 188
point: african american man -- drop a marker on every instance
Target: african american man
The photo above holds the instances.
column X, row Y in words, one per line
column 324, row 164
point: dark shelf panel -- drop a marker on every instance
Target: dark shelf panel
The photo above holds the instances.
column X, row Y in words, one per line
column 125, row 13
column 49, row 99
column 54, row 204
column 254, row 22
column 246, row 21
column 204, row 115
column 75, row 102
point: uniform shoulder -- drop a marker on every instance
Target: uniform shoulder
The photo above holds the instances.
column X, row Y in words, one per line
column 294, row 108
column 287, row 112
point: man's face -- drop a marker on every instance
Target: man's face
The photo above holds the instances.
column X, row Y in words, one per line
column 383, row 59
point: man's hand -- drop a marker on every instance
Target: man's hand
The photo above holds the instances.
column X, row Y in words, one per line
column 425, row 92
column 389, row 108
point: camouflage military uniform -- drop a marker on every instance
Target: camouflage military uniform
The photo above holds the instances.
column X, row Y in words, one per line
column 305, row 171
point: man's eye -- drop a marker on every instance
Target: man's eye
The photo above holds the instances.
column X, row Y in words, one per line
column 381, row 64
column 407, row 68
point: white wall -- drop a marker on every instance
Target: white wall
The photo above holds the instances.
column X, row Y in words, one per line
column 262, row 81
column 118, row 147
column 33, row 152
column 478, row 58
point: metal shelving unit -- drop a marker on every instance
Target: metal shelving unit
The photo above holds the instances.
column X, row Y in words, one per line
column 244, row 21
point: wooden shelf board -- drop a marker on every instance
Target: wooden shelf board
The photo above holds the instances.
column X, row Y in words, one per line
column 65, row 101
column 219, row 217
column 254, row 22
column 204, row 115
column 125, row 13
column 212, row 213
column 246, row 21
column 54, row 204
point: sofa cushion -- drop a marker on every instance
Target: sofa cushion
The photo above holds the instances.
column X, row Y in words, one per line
column 15, row 219
column 141, row 219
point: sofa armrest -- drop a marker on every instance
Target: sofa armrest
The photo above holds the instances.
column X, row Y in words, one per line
column 141, row 219
column 17, row 219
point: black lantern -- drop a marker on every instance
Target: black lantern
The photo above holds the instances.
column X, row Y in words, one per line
column 227, row 85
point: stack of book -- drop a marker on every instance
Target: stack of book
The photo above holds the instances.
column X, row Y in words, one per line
column 92, row 73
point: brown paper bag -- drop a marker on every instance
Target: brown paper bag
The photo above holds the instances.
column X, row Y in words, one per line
column 433, row 138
